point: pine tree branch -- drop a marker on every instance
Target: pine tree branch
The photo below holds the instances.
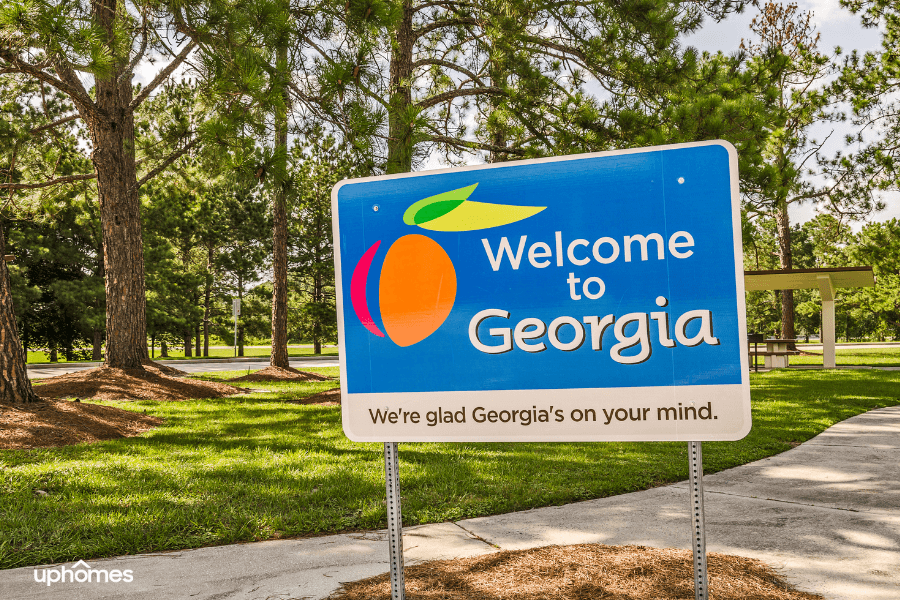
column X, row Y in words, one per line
column 137, row 57
column 168, row 161
column 162, row 76
column 43, row 184
column 56, row 123
column 444, row 97
column 67, row 82
column 417, row 33
column 449, row 65
column 467, row 145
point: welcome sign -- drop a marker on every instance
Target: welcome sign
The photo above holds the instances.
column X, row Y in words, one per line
column 589, row 297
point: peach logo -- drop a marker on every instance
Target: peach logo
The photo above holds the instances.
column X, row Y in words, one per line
column 417, row 288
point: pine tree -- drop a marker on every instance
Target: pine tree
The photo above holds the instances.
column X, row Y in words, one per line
column 318, row 167
column 30, row 112
column 792, row 155
column 102, row 40
column 525, row 64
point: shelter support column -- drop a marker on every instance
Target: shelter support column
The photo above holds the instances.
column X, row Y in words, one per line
column 826, row 287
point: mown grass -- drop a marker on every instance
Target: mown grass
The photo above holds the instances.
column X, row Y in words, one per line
column 876, row 357
column 253, row 468
column 40, row 357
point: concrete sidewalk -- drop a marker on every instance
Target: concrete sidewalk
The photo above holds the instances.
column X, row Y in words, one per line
column 825, row 514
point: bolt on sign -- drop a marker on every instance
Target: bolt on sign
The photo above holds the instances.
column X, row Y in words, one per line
column 581, row 298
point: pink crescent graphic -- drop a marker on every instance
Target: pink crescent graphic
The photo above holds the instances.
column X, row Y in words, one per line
column 358, row 289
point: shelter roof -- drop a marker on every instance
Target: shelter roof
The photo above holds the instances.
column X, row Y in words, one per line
column 798, row 279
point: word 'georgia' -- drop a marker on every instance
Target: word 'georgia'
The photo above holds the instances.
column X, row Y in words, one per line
column 526, row 334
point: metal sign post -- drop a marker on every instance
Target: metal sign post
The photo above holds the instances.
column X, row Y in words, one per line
column 394, row 517
column 698, row 524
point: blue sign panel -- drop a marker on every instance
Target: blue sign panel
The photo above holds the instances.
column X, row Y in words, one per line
column 604, row 281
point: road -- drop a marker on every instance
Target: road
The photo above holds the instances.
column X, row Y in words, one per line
column 191, row 366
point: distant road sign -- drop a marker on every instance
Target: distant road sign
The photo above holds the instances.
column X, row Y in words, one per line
column 589, row 297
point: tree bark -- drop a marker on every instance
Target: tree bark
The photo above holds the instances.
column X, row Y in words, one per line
column 97, row 353
column 317, row 298
column 197, row 347
column 240, row 326
column 786, row 260
column 186, row 334
column 279, row 357
column 112, row 138
column 206, row 301
column 163, row 349
column 15, row 387
column 400, row 130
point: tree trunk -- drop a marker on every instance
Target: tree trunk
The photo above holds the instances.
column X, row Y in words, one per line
column 786, row 260
column 163, row 349
column 279, row 357
column 112, row 139
column 317, row 298
column 15, row 387
column 206, row 301
column 197, row 348
column 54, row 355
column 186, row 334
column 239, row 334
column 68, row 352
column 97, row 353
column 495, row 121
column 400, row 129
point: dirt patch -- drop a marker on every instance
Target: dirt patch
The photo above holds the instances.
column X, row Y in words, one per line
column 62, row 423
column 150, row 383
column 582, row 572
column 282, row 374
column 326, row 398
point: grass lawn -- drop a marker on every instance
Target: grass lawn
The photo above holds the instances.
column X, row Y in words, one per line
column 247, row 469
column 881, row 357
column 178, row 354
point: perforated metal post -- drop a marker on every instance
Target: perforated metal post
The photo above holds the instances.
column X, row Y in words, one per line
column 395, row 521
column 698, row 526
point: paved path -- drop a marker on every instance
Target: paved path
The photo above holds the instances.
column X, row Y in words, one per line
column 825, row 514
column 851, row 346
column 191, row 366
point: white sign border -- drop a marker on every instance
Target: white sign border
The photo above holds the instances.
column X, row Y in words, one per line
column 531, row 396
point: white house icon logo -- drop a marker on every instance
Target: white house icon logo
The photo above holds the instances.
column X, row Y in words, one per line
column 81, row 572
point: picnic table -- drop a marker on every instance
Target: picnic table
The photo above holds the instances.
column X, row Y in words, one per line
column 777, row 355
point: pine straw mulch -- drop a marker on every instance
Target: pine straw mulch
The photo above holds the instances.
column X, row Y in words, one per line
column 282, row 374
column 326, row 398
column 61, row 423
column 154, row 382
column 582, row 572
